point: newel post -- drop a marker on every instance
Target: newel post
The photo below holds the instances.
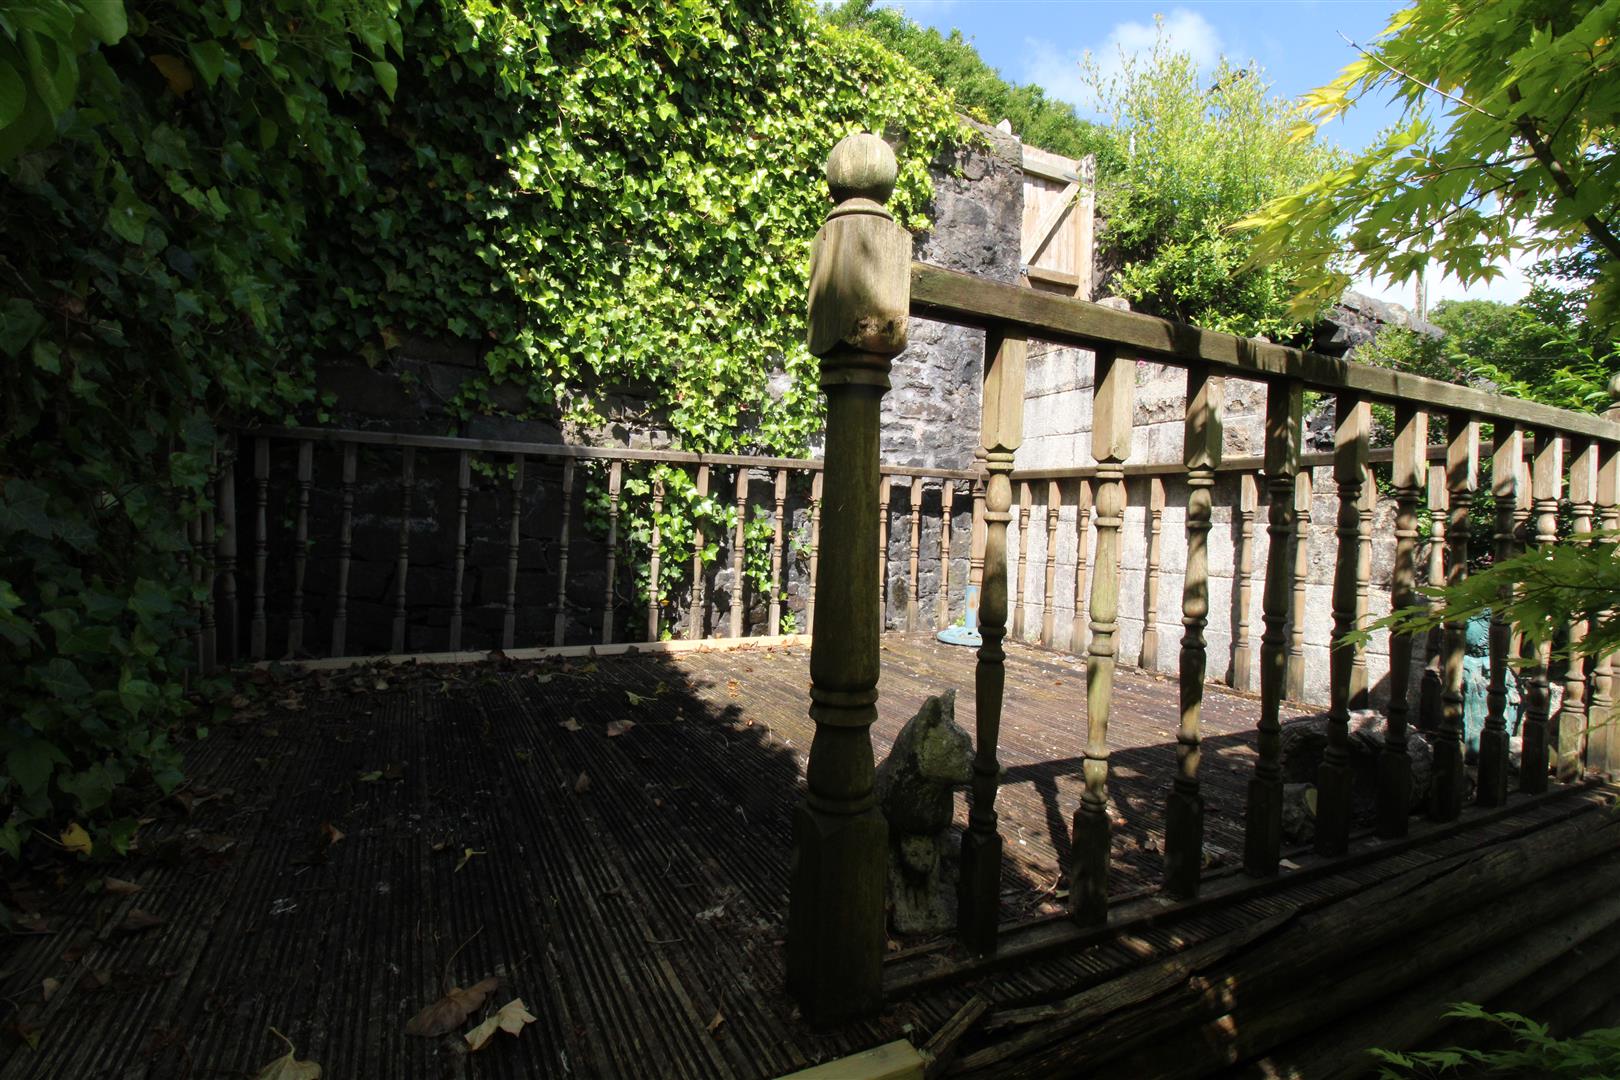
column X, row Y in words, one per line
column 860, row 297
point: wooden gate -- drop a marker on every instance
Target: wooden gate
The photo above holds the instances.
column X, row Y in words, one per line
column 1060, row 196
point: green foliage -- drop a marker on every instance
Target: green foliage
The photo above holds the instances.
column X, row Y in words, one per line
column 1194, row 157
column 599, row 195
column 955, row 65
column 1550, row 588
column 1506, row 145
column 40, row 46
column 1534, row 1052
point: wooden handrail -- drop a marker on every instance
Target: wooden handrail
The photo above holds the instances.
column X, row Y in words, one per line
column 949, row 296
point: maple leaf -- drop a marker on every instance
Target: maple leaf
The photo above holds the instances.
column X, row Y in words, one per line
column 452, row 1010
column 289, row 1067
column 511, row 1018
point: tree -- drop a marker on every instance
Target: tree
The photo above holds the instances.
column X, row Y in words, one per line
column 953, row 63
column 1193, row 157
column 1506, row 146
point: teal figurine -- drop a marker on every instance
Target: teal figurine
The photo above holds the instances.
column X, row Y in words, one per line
column 1477, row 683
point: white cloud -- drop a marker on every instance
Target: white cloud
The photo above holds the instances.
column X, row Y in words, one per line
column 1057, row 69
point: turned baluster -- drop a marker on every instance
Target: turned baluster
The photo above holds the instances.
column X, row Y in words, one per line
column 402, row 567
column 615, row 484
column 1294, row 684
column 1082, row 545
column 699, row 586
column 1001, row 432
column 1022, row 582
column 1353, row 425
column 1462, row 476
column 1242, row 656
column 1054, row 506
column 459, row 575
column 916, row 544
column 261, row 544
column 1113, row 399
column 738, row 540
column 1201, row 454
column 1148, row 658
column 777, row 540
column 1263, row 826
column 976, row 539
column 1360, row 686
column 225, row 554
column 1603, row 747
column 306, row 482
column 815, row 551
column 1546, row 484
column 340, row 613
column 947, row 496
column 859, row 303
column 1433, row 682
column 1572, row 719
column 1506, row 457
column 653, row 593
column 559, row 626
column 513, row 539
column 883, row 552
column 1407, row 470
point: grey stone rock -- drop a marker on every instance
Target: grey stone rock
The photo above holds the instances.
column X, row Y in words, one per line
column 1304, row 742
column 931, row 758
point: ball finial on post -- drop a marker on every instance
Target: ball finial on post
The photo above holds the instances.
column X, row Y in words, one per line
column 862, row 167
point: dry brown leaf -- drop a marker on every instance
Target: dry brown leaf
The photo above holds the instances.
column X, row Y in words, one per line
column 120, row 887
column 332, row 833
column 583, row 784
column 510, row 1019
column 719, row 1018
column 289, row 1067
column 569, row 724
column 452, row 1010
column 49, row 988
column 138, row 920
column 619, row 727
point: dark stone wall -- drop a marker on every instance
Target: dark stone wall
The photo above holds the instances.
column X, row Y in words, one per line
column 930, row 419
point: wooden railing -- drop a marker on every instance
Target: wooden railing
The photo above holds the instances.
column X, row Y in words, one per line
column 556, row 577
column 861, row 292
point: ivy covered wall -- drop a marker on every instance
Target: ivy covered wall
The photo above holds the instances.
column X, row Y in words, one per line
column 201, row 199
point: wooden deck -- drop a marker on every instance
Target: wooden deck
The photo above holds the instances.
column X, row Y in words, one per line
column 628, row 882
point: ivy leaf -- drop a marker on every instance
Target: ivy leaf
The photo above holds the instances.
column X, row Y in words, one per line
column 129, row 215
column 209, row 59
column 55, row 70
column 19, row 322
column 31, row 764
column 13, row 94
column 387, row 76
column 63, row 680
column 175, row 72
column 106, row 20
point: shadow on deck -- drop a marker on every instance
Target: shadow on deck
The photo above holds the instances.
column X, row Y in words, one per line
column 611, row 837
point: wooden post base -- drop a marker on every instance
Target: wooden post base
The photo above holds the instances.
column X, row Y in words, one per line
column 1446, row 792
column 1533, row 760
column 1493, row 768
column 1183, row 843
column 1394, row 795
column 1262, row 831
column 1332, row 809
column 978, row 892
column 835, row 935
column 1088, row 866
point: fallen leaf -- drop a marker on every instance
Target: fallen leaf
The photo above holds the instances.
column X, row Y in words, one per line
column 74, row 838
column 452, row 1010
column 96, row 980
column 34, row 923
column 138, row 920
column 635, row 698
column 332, row 833
column 28, row 1033
column 467, row 857
column 583, row 784
column 49, row 988
column 569, row 724
column 719, row 1018
column 371, row 777
column 619, row 727
column 544, row 678
column 510, row 1019
column 289, row 1067
column 394, row 772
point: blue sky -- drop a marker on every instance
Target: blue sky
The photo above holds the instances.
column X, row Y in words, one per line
column 1297, row 42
